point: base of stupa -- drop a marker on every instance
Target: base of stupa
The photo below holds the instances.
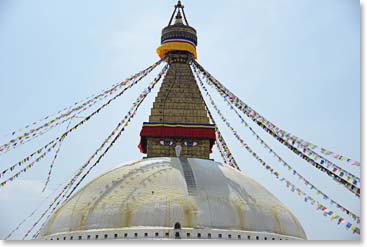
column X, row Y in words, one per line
column 162, row 233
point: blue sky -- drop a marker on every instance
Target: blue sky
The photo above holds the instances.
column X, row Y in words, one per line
column 295, row 62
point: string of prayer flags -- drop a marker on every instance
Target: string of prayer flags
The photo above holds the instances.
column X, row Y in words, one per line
column 341, row 178
column 124, row 122
column 279, row 132
column 84, row 105
column 29, row 216
column 226, row 153
column 331, row 166
column 27, row 158
column 222, row 145
column 334, row 155
column 25, row 169
column 42, row 132
column 150, row 68
column 221, row 152
column 280, row 159
column 333, row 216
column 118, row 129
column 54, row 159
column 63, row 136
column 288, row 184
column 255, row 117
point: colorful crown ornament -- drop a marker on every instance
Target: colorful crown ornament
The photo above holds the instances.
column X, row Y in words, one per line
column 178, row 36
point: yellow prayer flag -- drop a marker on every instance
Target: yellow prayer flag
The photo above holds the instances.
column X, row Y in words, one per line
column 333, row 216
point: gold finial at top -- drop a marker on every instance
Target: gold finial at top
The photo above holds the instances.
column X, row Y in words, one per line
column 178, row 18
column 179, row 7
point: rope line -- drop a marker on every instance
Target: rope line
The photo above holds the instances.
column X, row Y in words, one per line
column 309, row 185
column 30, row 215
column 54, row 159
column 336, row 177
column 60, row 138
column 122, row 124
column 222, row 145
column 13, row 143
column 289, row 184
column 282, row 133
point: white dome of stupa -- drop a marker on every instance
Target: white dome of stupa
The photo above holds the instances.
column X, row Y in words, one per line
column 173, row 198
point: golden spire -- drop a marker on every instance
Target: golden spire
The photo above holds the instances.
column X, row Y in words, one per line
column 178, row 124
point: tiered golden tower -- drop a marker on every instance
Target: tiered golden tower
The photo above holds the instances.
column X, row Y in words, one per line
column 178, row 124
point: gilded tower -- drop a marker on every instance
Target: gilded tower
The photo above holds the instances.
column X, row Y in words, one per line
column 178, row 124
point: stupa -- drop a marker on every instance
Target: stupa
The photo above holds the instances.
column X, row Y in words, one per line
column 176, row 191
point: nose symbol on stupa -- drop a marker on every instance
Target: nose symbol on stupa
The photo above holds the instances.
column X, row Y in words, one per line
column 178, row 149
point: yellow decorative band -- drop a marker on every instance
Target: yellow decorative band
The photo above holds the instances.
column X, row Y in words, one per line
column 176, row 46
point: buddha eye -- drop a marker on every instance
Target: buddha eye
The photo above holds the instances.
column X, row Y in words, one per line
column 166, row 143
column 190, row 143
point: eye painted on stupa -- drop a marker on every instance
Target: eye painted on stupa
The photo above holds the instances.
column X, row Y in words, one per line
column 190, row 143
column 166, row 142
